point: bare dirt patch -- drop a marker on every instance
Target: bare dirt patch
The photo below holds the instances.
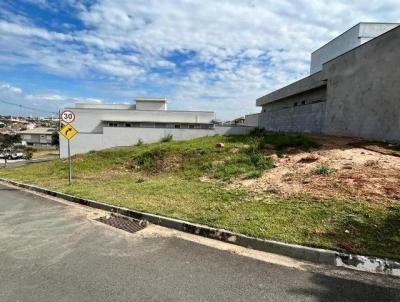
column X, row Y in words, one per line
column 357, row 172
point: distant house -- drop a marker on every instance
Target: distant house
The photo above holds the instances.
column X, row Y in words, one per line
column 37, row 137
column 102, row 126
column 238, row 121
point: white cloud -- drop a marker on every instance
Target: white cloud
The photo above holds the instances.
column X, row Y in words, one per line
column 42, row 103
column 8, row 89
column 236, row 50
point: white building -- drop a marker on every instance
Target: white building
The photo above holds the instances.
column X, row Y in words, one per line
column 102, row 126
column 352, row 38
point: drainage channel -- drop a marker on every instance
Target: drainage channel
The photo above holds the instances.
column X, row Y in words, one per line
column 123, row 223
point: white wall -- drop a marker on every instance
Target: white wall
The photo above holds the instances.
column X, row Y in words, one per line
column 120, row 136
column 90, row 120
column 151, row 105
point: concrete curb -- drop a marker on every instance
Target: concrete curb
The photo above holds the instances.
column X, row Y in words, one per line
column 316, row 255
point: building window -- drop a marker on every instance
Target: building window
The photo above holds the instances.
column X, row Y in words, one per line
column 295, row 104
column 303, row 102
column 128, row 125
column 161, row 125
column 177, row 126
column 191, row 126
column 147, row 125
column 112, row 124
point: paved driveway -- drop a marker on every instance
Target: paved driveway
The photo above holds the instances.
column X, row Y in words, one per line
column 52, row 252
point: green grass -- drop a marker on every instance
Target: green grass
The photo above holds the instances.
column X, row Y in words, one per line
column 164, row 178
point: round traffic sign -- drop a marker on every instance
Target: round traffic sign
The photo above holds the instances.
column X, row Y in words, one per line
column 68, row 116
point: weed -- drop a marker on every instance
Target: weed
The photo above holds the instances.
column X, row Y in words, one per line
column 140, row 180
column 148, row 160
column 323, row 170
column 167, row 139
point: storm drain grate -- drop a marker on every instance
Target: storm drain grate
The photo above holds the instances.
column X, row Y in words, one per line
column 123, row 223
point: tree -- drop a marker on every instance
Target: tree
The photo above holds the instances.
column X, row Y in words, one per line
column 55, row 140
column 7, row 144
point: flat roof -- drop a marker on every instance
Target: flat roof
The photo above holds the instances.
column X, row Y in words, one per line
column 147, row 121
column 38, row 131
column 150, row 99
column 358, row 24
column 132, row 108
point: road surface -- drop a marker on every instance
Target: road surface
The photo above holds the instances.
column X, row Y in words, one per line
column 22, row 162
column 52, row 251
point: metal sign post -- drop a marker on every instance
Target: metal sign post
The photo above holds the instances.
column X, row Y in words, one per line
column 69, row 164
column 69, row 132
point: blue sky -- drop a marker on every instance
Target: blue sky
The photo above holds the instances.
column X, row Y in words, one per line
column 201, row 55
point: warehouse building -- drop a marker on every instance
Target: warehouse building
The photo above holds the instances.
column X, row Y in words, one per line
column 353, row 89
column 102, row 126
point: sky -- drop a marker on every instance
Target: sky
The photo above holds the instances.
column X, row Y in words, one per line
column 201, row 55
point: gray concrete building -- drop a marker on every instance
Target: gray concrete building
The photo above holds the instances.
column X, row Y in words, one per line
column 102, row 126
column 354, row 94
column 352, row 38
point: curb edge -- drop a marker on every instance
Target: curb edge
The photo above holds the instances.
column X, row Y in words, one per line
column 316, row 255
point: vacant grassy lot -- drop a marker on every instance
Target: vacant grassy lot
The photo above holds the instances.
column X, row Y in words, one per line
column 191, row 181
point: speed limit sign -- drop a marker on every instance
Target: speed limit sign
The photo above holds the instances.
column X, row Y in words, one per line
column 68, row 116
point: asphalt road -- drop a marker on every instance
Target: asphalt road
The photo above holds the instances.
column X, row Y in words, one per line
column 50, row 251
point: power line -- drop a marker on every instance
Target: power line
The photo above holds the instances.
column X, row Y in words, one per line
column 27, row 107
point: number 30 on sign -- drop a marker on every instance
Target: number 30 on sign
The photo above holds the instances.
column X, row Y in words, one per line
column 67, row 116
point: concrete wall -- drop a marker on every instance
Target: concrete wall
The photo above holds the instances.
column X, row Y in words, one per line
column 303, row 112
column 314, row 81
column 252, row 119
column 233, row 130
column 364, row 90
column 345, row 42
column 354, row 37
column 121, row 136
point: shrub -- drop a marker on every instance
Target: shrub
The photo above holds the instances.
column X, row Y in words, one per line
column 282, row 141
column 323, row 170
column 167, row 138
column 148, row 160
column 139, row 142
column 28, row 153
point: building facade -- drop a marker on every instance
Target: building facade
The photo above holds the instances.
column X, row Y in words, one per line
column 102, row 126
column 355, row 94
column 37, row 137
column 352, row 38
